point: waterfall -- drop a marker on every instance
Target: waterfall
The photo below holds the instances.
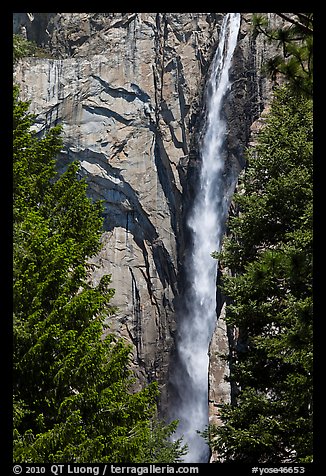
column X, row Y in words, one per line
column 197, row 310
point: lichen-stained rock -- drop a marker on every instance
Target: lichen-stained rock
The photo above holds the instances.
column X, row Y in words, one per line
column 127, row 88
column 128, row 91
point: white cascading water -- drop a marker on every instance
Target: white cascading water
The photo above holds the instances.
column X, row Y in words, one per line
column 206, row 223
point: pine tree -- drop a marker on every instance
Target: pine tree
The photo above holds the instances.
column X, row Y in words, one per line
column 295, row 40
column 269, row 294
column 73, row 398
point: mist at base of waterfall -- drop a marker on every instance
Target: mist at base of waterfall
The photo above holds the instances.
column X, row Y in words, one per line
column 196, row 313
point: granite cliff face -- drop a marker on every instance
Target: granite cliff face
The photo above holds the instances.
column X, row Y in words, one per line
column 128, row 90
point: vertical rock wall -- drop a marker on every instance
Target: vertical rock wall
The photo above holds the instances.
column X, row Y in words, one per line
column 128, row 90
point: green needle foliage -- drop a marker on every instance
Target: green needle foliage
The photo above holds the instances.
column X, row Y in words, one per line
column 295, row 40
column 73, row 398
column 269, row 294
column 23, row 47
